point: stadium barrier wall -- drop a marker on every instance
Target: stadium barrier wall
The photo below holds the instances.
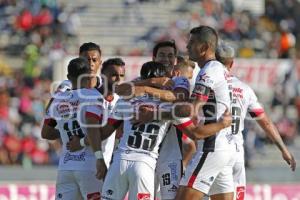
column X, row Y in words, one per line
column 15, row 191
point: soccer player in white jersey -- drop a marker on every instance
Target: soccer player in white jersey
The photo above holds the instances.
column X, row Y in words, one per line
column 113, row 70
column 169, row 164
column 134, row 161
column 169, row 169
column 245, row 101
column 92, row 53
column 210, row 170
column 76, row 170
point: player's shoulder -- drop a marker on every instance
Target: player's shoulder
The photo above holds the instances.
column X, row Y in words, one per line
column 241, row 84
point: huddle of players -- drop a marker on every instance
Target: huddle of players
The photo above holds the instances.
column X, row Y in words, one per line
column 149, row 153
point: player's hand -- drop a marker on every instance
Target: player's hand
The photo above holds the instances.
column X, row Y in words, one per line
column 101, row 169
column 162, row 82
column 144, row 115
column 226, row 119
column 74, row 144
column 289, row 158
column 125, row 90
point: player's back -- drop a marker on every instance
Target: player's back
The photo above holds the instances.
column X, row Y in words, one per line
column 141, row 142
column 244, row 101
column 68, row 111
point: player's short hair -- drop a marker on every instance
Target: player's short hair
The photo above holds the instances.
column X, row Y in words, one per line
column 184, row 62
column 78, row 66
column 89, row 46
column 152, row 69
column 112, row 61
column 159, row 45
column 224, row 52
column 206, row 34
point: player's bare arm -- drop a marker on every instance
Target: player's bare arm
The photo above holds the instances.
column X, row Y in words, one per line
column 126, row 89
column 50, row 133
column 267, row 125
column 198, row 132
column 94, row 139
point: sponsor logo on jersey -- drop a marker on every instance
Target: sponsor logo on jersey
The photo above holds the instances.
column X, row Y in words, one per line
column 68, row 157
column 173, row 189
column 109, row 192
column 240, row 193
column 173, row 169
column 143, row 196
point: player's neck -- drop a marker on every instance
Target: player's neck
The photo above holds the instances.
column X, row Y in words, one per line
column 106, row 92
column 206, row 59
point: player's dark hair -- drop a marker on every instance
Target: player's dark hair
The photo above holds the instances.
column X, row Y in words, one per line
column 152, row 69
column 78, row 66
column 112, row 61
column 206, row 34
column 89, row 46
column 159, row 45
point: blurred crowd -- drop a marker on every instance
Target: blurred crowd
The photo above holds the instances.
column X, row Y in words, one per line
column 269, row 35
column 38, row 29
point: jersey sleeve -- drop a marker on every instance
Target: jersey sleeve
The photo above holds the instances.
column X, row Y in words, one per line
column 181, row 82
column 119, row 113
column 206, row 81
column 49, row 118
column 182, row 123
column 254, row 109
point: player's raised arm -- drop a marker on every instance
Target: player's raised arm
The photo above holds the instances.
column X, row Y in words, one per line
column 48, row 130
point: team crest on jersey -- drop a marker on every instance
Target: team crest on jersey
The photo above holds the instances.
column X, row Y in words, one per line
column 143, row 196
column 205, row 78
column 240, row 193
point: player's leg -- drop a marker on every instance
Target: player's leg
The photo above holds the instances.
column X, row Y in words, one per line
column 141, row 181
column 66, row 186
column 115, row 185
column 169, row 174
column 223, row 186
column 201, row 174
column 239, row 177
column 90, row 186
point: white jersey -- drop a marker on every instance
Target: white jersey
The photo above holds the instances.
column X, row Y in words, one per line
column 244, row 101
column 68, row 112
column 171, row 146
column 213, row 85
column 141, row 143
column 109, row 143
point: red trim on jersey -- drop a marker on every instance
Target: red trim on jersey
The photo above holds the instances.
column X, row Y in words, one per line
column 256, row 112
column 93, row 115
column 94, row 196
column 50, row 122
column 114, row 122
column 183, row 125
column 191, row 181
column 201, row 97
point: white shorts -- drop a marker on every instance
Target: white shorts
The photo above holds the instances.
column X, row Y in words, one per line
column 210, row 173
column 77, row 185
column 239, row 175
column 168, row 176
column 133, row 176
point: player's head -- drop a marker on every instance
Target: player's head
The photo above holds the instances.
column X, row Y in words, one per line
column 79, row 72
column 165, row 52
column 92, row 53
column 184, row 67
column 114, row 71
column 225, row 54
column 202, row 43
column 152, row 69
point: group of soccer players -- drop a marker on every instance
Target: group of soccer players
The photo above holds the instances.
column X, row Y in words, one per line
column 148, row 116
